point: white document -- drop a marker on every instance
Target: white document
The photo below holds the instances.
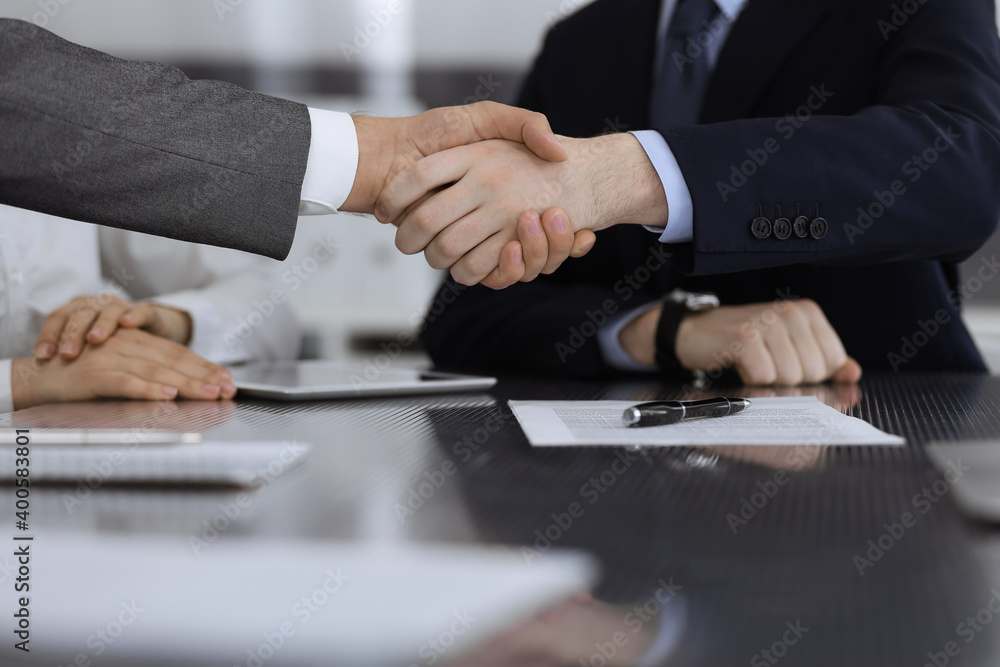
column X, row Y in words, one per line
column 768, row 421
column 105, row 599
column 236, row 463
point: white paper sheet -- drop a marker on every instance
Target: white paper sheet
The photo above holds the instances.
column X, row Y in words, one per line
column 237, row 463
column 285, row 601
column 768, row 421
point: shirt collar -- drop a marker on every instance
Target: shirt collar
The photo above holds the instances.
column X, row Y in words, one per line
column 731, row 8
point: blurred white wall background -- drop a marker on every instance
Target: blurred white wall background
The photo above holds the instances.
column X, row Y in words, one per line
column 368, row 287
column 477, row 32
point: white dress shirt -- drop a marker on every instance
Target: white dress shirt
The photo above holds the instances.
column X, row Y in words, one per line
column 46, row 261
column 681, row 225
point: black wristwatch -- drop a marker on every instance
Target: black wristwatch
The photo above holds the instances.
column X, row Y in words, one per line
column 677, row 304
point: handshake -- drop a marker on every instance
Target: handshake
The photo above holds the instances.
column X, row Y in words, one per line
column 490, row 192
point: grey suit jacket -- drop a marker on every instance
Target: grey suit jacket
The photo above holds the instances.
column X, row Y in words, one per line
column 139, row 146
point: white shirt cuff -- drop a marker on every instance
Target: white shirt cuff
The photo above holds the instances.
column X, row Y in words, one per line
column 333, row 162
column 680, row 227
column 6, row 386
column 607, row 338
column 672, row 622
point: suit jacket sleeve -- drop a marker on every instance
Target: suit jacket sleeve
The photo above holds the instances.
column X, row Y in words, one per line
column 138, row 146
column 912, row 176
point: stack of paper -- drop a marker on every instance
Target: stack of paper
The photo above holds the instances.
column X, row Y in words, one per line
column 789, row 421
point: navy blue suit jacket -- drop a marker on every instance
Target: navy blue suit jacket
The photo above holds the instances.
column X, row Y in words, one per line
column 888, row 121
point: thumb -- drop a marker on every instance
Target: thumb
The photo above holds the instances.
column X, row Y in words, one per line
column 510, row 269
column 583, row 243
column 849, row 373
column 498, row 121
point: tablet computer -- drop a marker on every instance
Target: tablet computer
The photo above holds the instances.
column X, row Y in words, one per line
column 316, row 380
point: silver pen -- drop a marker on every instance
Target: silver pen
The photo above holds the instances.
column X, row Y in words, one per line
column 658, row 413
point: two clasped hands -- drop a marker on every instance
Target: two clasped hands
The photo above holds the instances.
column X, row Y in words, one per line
column 475, row 188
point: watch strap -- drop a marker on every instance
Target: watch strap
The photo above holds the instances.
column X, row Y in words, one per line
column 671, row 314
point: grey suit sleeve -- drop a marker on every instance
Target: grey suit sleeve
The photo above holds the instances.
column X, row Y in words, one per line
column 139, row 146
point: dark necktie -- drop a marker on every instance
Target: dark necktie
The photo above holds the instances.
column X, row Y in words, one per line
column 682, row 74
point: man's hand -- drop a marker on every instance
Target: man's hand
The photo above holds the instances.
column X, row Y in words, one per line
column 544, row 243
column 131, row 364
column 783, row 343
column 390, row 145
column 94, row 319
column 607, row 180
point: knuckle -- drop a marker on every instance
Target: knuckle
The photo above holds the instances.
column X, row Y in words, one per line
column 753, row 374
column 479, row 269
column 437, row 262
column 449, row 247
column 462, row 277
column 808, row 307
column 789, row 376
column 191, row 387
column 404, row 245
column 148, row 369
column 424, row 220
column 421, row 171
column 814, row 375
column 129, row 386
column 746, row 333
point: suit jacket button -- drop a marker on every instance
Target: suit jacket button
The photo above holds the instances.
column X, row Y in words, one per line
column 818, row 228
column 801, row 226
column 782, row 228
column 761, row 227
